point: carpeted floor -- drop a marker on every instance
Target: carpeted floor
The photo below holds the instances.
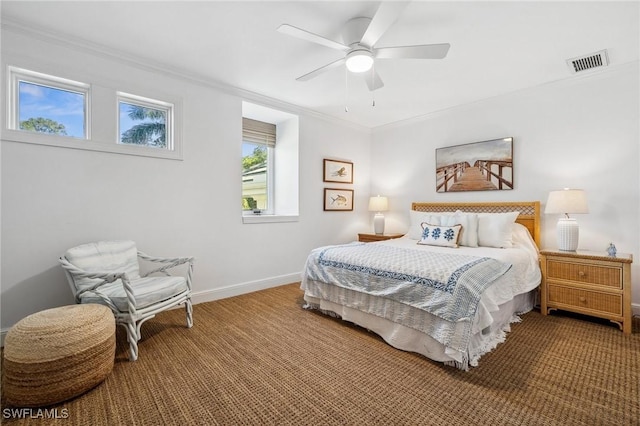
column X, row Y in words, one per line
column 261, row 359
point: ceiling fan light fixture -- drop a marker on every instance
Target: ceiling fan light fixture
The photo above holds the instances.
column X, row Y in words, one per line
column 359, row 61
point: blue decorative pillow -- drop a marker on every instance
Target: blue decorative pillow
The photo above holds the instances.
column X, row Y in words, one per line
column 438, row 235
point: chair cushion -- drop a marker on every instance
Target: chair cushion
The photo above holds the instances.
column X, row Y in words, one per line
column 107, row 256
column 146, row 291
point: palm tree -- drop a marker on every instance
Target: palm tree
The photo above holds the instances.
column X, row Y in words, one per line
column 151, row 132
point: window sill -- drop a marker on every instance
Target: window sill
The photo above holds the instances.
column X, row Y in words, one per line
column 269, row 218
column 88, row 144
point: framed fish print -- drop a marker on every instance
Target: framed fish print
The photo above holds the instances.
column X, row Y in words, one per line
column 337, row 171
column 338, row 199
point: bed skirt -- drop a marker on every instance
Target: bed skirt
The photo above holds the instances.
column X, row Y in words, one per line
column 412, row 340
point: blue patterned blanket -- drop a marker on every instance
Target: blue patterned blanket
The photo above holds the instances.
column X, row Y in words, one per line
column 447, row 285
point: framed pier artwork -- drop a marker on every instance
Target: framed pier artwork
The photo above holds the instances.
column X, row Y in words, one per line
column 478, row 166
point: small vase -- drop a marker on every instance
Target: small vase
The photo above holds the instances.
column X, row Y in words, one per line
column 612, row 250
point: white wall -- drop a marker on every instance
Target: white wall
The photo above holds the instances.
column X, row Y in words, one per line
column 55, row 198
column 582, row 132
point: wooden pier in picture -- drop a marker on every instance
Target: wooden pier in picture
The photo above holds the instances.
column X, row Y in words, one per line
column 484, row 175
column 478, row 166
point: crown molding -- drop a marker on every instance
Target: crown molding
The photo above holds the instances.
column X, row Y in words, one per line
column 100, row 50
column 567, row 81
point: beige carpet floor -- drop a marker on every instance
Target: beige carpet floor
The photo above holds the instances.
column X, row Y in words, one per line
column 260, row 359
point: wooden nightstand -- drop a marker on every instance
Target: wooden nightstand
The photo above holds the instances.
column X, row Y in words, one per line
column 369, row 238
column 587, row 282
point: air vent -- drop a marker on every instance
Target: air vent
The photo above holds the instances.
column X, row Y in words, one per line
column 588, row 62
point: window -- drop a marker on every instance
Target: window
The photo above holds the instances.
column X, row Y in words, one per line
column 270, row 184
column 144, row 122
column 258, row 151
column 46, row 104
column 47, row 110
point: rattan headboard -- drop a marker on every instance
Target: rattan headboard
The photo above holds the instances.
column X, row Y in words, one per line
column 529, row 211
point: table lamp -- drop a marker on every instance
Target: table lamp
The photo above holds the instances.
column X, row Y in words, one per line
column 567, row 201
column 378, row 204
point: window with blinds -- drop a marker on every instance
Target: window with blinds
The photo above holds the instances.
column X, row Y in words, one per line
column 258, row 132
column 258, row 149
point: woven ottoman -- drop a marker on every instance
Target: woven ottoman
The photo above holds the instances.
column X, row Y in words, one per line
column 57, row 354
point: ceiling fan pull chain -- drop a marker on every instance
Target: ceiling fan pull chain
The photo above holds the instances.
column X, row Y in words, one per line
column 373, row 79
column 346, row 90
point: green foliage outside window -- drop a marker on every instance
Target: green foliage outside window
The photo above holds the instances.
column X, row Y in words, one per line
column 43, row 125
column 257, row 158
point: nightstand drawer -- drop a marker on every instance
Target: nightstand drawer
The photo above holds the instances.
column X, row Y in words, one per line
column 586, row 273
column 584, row 299
column 587, row 282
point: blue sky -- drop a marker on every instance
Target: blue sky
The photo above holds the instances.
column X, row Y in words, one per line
column 125, row 122
column 247, row 148
column 66, row 107
column 62, row 106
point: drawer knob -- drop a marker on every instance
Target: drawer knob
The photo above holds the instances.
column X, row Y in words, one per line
column 582, row 299
column 581, row 273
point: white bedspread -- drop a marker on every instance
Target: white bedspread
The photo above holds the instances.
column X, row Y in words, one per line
column 523, row 276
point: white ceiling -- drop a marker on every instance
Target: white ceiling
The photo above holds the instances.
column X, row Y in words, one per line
column 496, row 47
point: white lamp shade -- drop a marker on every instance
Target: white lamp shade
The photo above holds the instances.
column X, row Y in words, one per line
column 567, row 201
column 378, row 204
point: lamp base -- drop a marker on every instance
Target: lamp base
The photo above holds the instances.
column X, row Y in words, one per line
column 378, row 224
column 568, row 234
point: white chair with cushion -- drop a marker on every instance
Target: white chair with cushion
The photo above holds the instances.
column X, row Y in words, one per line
column 108, row 272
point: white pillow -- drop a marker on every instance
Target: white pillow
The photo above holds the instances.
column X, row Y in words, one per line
column 469, row 222
column 439, row 235
column 495, row 229
column 416, row 218
column 520, row 235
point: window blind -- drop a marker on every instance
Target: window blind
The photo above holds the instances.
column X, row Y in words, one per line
column 258, row 132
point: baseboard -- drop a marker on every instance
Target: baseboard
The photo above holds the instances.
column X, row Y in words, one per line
column 243, row 288
column 223, row 292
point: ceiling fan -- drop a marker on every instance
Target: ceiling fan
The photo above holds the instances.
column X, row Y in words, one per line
column 359, row 37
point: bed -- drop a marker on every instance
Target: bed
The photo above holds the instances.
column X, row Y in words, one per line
column 448, row 289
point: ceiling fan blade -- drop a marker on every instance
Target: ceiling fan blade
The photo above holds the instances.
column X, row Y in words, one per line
column 320, row 70
column 373, row 80
column 385, row 16
column 314, row 38
column 424, row 51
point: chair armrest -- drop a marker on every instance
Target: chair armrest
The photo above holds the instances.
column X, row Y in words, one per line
column 168, row 262
column 105, row 277
column 177, row 260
